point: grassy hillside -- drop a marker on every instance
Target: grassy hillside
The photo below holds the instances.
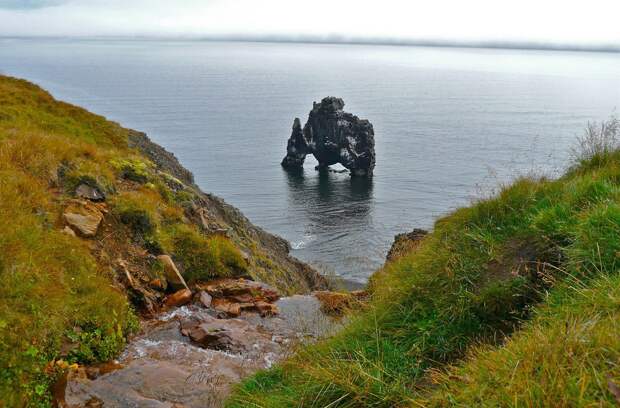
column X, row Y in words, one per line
column 75, row 299
column 513, row 301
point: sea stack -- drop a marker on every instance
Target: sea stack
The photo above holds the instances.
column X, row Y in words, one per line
column 332, row 136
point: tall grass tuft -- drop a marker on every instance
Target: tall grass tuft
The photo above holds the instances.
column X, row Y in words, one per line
column 598, row 139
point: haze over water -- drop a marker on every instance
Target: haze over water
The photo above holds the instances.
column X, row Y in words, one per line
column 448, row 122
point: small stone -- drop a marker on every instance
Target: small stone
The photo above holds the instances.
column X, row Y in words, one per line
column 83, row 217
column 90, row 193
column 172, row 274
column 179, row 298
column 205, row 299
column 266, row 309
column 222, row 232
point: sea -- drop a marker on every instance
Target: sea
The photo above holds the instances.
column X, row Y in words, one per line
column 452, row 125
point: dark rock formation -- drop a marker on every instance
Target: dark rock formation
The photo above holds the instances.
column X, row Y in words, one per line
column 333, row 136
column 296, row 147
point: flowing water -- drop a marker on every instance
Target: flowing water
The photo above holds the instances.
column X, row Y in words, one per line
column 449, row 123
column 162, row 368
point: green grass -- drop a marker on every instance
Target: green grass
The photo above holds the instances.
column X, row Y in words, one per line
column 139, row 211
column 203, row 258
column 57, row 300
column 51, row 284
column 473, row 281
column 565, row 357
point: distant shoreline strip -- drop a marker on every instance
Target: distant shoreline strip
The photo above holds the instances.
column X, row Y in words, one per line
column 508, row 45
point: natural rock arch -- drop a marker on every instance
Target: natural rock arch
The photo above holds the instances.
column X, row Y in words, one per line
column 332, row 136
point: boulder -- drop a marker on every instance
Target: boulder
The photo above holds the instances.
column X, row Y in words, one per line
column 179, row 298
column 230, row 297
column 209, row 338
column 173, row 276
column 332, row 136
column 84, row 217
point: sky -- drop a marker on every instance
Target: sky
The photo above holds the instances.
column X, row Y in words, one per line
column 564, row 22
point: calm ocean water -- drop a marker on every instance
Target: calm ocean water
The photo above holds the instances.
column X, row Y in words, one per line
column 449, row 123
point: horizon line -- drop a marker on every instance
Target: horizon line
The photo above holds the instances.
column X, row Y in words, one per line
column 341, row 40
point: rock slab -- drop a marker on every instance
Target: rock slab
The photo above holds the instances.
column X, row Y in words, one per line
column 84, row 217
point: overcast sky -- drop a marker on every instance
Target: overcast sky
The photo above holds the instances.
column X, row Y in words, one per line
column 576, row 22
